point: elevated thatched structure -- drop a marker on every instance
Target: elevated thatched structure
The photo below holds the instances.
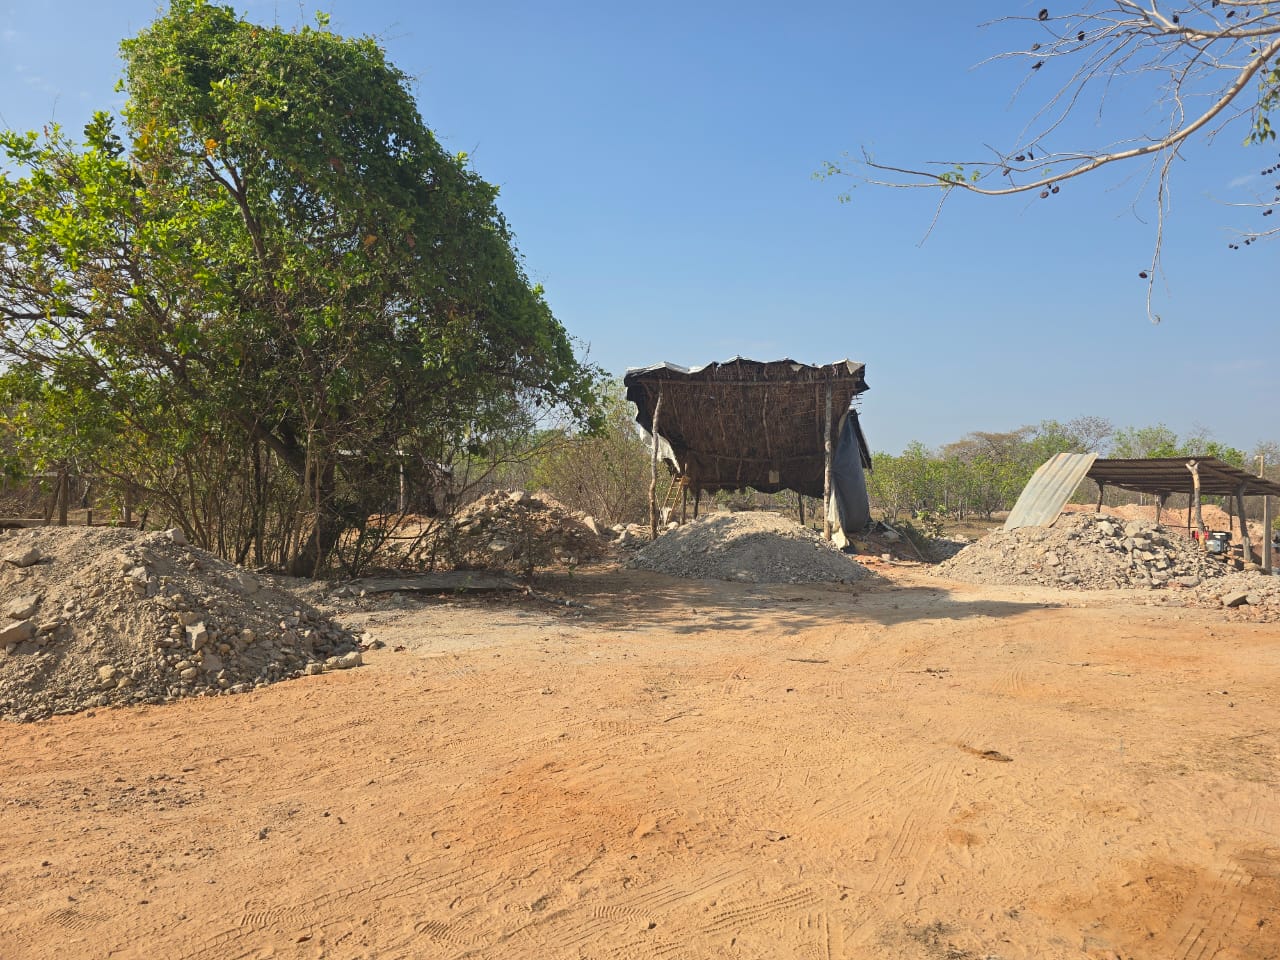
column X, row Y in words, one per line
column 767, row 425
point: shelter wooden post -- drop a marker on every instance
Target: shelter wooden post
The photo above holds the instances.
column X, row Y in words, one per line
column 1160, row 499
column 1246, row 548
column 826, row 473
column 1102, row 492
column 1194, row 467
column 64, row 494
column 653, row 473
column 1267, row 521
column 800, row 505
column 697, row 499
column 684, row 502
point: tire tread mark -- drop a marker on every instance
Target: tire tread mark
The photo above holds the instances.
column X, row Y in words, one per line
column 750, row 914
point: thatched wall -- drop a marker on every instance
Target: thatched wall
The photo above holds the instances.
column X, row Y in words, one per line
column 747, row 423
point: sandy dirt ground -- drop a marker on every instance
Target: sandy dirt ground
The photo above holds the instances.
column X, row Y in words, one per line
column 681, row 769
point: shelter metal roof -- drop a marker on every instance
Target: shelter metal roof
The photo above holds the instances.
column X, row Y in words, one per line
column 747, row 422
column 1170, row 475
column 1058, row 477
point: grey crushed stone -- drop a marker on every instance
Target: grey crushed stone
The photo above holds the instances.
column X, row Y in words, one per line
column 118, row 617
column 754, row 547
column 1083, row 551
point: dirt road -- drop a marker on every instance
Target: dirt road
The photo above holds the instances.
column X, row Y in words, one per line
column 682, row 770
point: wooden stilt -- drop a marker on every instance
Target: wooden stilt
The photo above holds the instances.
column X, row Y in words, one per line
column 1194, row 467
column 653, row 474
column 1102, row 491
column 64, row 494
column 1246, row 547
column 684, row 502
column 800, row 505
column 1160, row 498
column 697, row 499
column 826, row 474
column 1268, row 559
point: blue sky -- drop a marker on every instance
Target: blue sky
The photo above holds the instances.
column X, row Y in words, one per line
column 655, row 163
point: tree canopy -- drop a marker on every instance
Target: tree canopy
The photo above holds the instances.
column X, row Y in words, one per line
column 269, row 251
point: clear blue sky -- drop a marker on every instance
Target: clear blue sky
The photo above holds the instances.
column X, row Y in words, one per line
column 655, row 162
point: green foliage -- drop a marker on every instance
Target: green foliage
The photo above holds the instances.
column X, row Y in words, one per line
column 279, row 253
column 983, row 473
column 603, row 472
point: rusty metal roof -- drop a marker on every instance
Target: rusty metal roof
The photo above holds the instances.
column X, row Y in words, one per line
column 1049, row 488
column 1170, row 475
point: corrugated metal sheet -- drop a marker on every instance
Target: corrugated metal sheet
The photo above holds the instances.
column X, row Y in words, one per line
column 1049, row 489
column 1166, row 475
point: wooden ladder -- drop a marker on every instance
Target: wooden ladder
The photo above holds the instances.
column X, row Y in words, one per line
column 672, row 498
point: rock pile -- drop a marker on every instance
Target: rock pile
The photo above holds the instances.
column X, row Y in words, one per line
column 1085, row 552
column 93, row 616
column 1247, row 596
column 514, row 530
column 754, row 547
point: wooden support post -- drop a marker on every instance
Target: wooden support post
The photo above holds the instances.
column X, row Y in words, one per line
column 1268, row 559
column 1267, row 535
column 1160, row 498
column 800, row 504
column 653, row 473
column 1102, row 492
column 1194, row 467
column 64, row 494
column 684, row 502
column 697, row 499
column 1246, row 548
column 88, row 518
column 826, row 473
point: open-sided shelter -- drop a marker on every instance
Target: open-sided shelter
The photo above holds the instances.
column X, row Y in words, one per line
column 771, row 425
column 1160, row 477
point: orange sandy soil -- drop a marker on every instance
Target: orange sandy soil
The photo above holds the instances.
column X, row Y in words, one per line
column 917, row 769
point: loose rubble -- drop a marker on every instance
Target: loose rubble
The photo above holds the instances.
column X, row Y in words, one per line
column 515, row 530
column 755, row 547
column 106, row 617
column 1100, row 552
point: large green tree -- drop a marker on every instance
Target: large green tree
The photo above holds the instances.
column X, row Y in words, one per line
column 272, row 244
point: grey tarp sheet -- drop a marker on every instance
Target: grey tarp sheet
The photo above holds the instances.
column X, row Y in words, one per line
column 850, row 508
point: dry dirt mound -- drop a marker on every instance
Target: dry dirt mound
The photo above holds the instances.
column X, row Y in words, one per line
column 92, row 617
column 751, row 547
column 517, row 531
column 1100, row 552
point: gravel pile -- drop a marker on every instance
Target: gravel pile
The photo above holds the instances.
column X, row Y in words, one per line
column 749, row 547
column 515, row 530
column 93, row 617
column 1085, row 552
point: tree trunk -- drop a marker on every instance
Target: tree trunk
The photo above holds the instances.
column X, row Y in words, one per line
column 325, row 531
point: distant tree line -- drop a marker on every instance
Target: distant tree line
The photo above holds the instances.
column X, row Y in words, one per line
column 983, row 473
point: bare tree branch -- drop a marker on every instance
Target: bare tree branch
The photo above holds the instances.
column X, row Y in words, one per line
column 1213, row 63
